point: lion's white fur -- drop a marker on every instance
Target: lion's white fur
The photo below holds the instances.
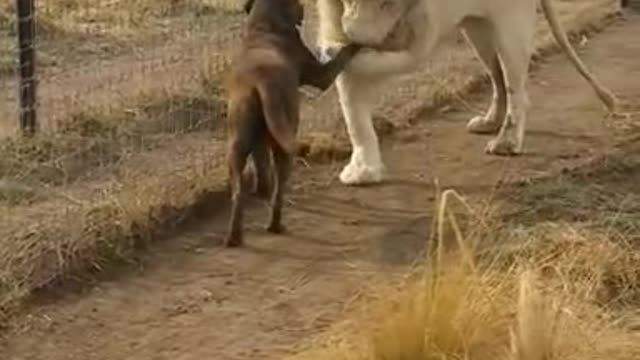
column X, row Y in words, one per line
column 501, row 32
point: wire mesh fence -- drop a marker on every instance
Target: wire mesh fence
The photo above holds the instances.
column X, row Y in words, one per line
column 133, row 72
column 106, row 54
column 117, row 78
column 26, row 69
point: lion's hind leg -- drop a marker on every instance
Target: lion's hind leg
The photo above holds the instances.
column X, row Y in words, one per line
column 480, row 34
column 514, row 36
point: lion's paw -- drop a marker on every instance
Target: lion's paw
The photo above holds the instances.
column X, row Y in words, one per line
column 502, row 147
column 481, row 125
column 357, row 173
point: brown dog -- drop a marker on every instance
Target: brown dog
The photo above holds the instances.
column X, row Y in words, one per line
column 263, row 101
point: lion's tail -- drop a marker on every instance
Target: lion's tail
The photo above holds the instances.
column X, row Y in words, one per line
column 279, row 113
column 607, row 97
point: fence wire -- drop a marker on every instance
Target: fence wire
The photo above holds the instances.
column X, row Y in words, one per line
column 144, row 70
column 106, row 54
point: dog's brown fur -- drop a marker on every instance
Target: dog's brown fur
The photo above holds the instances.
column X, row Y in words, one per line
column 263, row 101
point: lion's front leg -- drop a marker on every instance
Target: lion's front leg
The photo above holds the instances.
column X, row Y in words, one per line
column 357, row 97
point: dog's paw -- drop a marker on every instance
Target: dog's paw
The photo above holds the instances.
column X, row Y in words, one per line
column 233, row 240
column 276, row 228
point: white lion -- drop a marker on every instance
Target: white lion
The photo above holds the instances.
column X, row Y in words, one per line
column 400, row 34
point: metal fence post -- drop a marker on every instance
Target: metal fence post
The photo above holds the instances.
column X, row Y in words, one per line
column 26, row 13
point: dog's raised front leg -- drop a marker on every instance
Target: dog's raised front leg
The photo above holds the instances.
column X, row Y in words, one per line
column 357, row 97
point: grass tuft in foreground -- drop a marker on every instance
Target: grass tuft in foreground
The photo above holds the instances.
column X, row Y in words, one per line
column 542, row 298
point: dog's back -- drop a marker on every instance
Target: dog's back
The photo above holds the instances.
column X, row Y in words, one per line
column 262, row 90
column 264, row 78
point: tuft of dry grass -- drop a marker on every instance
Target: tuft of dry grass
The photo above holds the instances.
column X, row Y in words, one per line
column 605, row 269
column 538, row 303
column 14, row 193
column 583, row 218
column 599, row 195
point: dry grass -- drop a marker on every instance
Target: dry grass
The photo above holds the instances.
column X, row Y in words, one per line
column 107, row 27
column 557, row 279
column 586, row 215
column 541, row 299
column 603, row 189
column 95, row 140
column 79, row 231
column 115, row 17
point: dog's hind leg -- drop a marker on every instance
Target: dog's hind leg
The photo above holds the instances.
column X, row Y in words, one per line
column 283, row 163
column 480, row 34
column 262, row 165
column 237, row 159
column 257, row 172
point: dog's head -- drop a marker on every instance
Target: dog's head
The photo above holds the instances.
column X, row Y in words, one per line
column 281, row 13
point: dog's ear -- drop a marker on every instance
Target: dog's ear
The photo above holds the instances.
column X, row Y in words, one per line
column 248, row 4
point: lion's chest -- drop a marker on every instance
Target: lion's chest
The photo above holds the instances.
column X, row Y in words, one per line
column 400, row 38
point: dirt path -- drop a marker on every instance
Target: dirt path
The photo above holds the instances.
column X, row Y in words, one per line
column 192, row 299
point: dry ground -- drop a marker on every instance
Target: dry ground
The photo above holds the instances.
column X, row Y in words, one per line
column 191, row 299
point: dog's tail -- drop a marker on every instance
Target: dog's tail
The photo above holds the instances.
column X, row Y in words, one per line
column 280, row 114
column 607, row 97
